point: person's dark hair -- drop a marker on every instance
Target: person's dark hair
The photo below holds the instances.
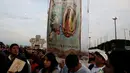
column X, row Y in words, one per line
column 14, row 44
column 51, row 57
column 43, row 51
column 2, row 45
column 120, row 61
column 72, row 61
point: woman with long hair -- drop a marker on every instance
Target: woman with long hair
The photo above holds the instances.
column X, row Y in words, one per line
column 50, row 64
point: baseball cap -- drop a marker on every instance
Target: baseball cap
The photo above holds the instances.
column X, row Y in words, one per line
column 102, row 53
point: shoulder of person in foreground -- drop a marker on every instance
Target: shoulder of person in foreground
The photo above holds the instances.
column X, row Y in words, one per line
column 56, row 71
column 40, row 71
column 22, row 57
column 83, row 69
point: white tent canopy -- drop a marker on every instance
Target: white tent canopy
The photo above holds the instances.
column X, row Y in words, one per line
column 94, row 50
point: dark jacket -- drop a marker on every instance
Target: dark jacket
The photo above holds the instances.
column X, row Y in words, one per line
column 3, row 63
column 26, row 68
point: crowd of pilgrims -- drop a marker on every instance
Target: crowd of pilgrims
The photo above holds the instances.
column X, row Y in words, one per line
column 41, row 61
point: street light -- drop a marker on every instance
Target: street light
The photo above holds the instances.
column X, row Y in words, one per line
column 129, row 33
column 89, row 42
column 115, row 18
column 125, row 33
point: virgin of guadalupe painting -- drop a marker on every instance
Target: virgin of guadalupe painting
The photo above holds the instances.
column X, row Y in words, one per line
column 69, row 22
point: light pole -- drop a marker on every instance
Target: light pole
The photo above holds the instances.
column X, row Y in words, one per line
column 129, row 33
column 125, row 36
column 89, row 42
column 115, row 18
column 125, row 33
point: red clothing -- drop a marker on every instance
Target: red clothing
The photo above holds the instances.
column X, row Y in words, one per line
column 33, row 66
